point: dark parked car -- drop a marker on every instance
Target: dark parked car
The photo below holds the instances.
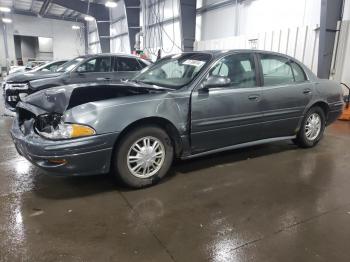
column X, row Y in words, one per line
column 184, row 106
column 83, row 69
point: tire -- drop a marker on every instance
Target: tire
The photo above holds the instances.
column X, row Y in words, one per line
column 305, row 140
column 146, row 166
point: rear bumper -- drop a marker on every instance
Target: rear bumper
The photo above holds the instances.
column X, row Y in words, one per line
column 333, row 116
column 82, row 156
column 335, row 112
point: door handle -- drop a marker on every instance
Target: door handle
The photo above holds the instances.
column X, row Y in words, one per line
column 103, row 78
column 254, row 97
column 307, row 91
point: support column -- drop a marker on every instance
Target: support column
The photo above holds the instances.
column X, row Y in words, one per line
column 331, row 12
column 132, row 12
column 187, row 24
column 4, row 34
column 103, row 29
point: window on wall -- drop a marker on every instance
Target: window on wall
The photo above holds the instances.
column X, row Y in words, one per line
column 239, row 68
column 100, row 64
column 276, row 70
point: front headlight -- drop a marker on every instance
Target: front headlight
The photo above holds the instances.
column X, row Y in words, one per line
column 16, row 86
column 52, row 127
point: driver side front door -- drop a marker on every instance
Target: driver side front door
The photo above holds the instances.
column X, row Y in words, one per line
column 226, row 116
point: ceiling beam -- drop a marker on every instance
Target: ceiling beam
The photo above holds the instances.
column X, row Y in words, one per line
column 32, row 6
column 44, row 8
column 29, row 13
column 65, row 13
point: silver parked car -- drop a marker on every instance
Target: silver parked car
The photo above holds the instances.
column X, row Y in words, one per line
column 184, row 106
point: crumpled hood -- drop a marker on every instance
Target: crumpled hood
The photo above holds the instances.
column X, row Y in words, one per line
column 60, row 99
column 29, row 76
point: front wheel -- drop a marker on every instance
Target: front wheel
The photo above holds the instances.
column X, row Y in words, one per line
column 143, row 157
column 312, row 128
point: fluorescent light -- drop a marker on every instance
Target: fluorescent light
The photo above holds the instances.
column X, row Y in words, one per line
column 75, row 27
column 111, row 4
column 5, row 9
column 89, row 18
column 7, row 20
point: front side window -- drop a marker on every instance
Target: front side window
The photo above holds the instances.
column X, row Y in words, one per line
column 239, row 68
column 69, row 66
column 51, row 67
column 99, row 64
column 174, row 71
column 126, row 64
column 276, row 70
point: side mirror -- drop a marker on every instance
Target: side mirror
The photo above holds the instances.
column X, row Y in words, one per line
column 216, row 81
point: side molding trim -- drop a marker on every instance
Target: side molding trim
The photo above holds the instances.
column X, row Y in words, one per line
column 254, row 143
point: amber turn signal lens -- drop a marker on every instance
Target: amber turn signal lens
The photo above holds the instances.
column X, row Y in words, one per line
column 80, row 130
column 57, row 161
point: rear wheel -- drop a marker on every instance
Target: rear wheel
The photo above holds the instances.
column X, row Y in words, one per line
column 312, row 128
column 143, row 157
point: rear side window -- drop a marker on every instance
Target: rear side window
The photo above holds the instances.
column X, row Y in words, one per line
column 127, row 64
column 299, row 74
column 276, row 70
column 142, row 64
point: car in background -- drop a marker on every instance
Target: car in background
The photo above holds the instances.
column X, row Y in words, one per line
column 83, row 69
column 184, row 106
column 28, row 67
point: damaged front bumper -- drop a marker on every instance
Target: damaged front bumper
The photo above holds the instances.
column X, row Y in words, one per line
column 80, row 156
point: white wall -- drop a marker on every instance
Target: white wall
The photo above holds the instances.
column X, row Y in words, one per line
column 256, row 16
column 67, row 43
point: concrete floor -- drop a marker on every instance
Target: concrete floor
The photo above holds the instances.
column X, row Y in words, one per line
column 267, row 203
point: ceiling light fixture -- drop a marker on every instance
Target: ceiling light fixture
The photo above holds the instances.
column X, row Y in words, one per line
column 75, row 27
column 5, row 9
column 7, row 20
column 89, row 18
column 111, row 4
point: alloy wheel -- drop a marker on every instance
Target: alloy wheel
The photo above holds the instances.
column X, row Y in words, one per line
column 146, row 157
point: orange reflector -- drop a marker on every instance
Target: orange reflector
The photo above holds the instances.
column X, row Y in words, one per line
column 80, row 130
column 57, row 161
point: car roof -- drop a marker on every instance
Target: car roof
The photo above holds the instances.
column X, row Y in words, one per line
column 220, row 53
column 109, row 54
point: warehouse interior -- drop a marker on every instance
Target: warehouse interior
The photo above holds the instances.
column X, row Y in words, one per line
column 262, row 202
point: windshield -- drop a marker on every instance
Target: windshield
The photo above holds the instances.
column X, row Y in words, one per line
column 174, row 71
column 70, row 65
